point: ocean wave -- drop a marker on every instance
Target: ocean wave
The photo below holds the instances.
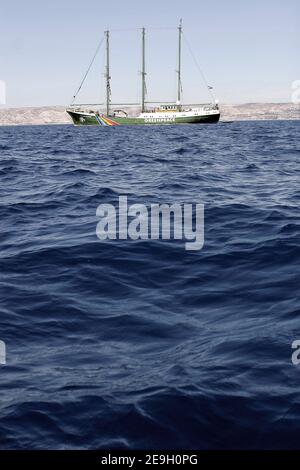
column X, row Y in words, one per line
column 142, row 344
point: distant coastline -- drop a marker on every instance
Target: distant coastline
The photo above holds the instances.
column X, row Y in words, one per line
column 238, row 112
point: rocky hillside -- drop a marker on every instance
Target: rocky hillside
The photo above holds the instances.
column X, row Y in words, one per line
column 260, row 111
column 42, row 115
column 57, row 114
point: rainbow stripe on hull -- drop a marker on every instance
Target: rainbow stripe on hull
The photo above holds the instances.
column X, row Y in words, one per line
column 105, row 121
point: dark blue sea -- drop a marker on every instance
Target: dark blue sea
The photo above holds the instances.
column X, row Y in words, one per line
column 142, row 344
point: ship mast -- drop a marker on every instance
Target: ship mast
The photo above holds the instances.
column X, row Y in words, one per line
column 107, row 75
column 143, row 71
column 179, row 63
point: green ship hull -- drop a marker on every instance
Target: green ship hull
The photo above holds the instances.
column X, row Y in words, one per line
column 95, row 119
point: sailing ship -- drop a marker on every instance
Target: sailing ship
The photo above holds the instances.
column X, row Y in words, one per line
column 150, row 112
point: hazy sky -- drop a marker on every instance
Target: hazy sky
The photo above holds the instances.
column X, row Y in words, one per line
column 248, row 49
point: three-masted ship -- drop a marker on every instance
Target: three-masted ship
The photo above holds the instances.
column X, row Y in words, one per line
column 150, row 112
